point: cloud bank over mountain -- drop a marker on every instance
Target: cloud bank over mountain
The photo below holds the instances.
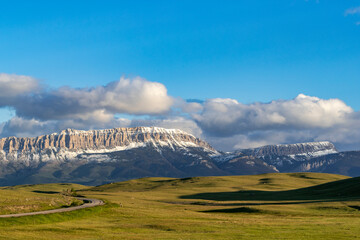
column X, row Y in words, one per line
column 225, row 123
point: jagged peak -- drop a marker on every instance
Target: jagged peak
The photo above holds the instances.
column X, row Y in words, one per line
column 320, row 143
column 105, row 139
column 130, row 130
column 315, row 144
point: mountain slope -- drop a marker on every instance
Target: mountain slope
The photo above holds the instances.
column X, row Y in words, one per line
column 288, row 157
column 345, row 163
column 100, row 156
column 343, row 189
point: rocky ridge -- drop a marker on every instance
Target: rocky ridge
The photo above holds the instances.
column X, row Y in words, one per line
column 309, row 149
column 80, row 147
column 101, row 156
column 101, row 139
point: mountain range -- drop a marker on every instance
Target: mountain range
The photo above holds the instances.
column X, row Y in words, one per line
column 101, row 156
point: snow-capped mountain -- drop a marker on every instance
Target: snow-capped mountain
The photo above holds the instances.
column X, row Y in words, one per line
column 345, row 163
column 97, row 156
column 301, row 150
column 101, row 156
column 69, row 143
column 286, row 157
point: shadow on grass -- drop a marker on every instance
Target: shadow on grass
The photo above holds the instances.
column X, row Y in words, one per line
column 55, row 192
column 262, row 203
column 234, row 210
column 46, row 192
column 347, row 189
column 355, row 207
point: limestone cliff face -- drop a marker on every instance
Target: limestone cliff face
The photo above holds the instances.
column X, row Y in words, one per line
column 112, row 155
column 311, row 148
column 79, row 147
column 287, row 157
column 75, row 140
column 101, row 156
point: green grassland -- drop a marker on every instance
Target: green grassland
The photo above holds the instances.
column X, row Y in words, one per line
column 31, row 198
column 267, row 206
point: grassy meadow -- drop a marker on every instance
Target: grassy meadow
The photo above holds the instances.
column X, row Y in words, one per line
column 31, row 198
column 267, row 206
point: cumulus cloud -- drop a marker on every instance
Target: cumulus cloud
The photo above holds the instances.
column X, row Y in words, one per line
column 229, row 125
column 12, row 86
column 226, row 123
column 136, row 96
column 187, row 106
column 20, row 127
column 40, row 111
column 227, row 117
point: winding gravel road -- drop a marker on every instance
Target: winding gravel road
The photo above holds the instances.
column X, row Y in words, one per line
column 90, row 202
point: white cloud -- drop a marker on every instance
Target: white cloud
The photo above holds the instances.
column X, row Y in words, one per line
column 136, row 96
column 12, row 86
column 20, row 127
column 41, row 111
column 227, row 117
column 225, row 123
column 184, row 107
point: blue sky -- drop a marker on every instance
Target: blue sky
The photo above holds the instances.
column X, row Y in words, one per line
column 249, row 51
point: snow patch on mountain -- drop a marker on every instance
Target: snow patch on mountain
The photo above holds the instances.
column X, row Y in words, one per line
column 297, row 151
column 68, row 144
column 314, row 154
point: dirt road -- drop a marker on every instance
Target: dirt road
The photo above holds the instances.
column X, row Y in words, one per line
column 89, row 202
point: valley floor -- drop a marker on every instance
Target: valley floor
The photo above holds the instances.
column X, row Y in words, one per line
column 268, row 206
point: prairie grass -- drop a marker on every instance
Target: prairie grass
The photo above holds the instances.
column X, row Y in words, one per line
column 268, row 206
column 31, row 198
